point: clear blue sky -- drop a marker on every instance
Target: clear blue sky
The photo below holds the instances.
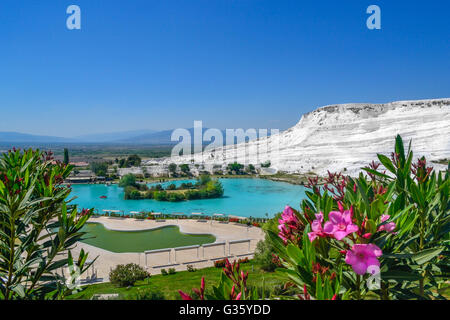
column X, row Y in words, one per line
column 147, row 64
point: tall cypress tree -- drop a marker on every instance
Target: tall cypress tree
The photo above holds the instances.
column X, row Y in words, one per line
column 66, row 156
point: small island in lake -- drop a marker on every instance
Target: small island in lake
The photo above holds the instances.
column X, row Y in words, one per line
column 204, row 188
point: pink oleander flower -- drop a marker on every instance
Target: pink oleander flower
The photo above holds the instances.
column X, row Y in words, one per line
column 316, row 227
column 288, row 216
column 388, row 227
column 362, row 256
column 283, row 232
column 289, row 225
column 340, row 224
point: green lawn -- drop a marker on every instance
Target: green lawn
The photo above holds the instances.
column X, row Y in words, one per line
column 183, row 280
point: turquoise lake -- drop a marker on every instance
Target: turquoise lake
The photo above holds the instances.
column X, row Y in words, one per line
column 242, row 197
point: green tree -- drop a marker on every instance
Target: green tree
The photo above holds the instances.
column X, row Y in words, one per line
column 203, row 180
column 128, row 180
column 38, row 226
column 214, row 189
column 66, row 156
column 99, row 168
column 172, row 168
column 266, row 164
column 185, row 168
column 251, row 169
column 235, row 167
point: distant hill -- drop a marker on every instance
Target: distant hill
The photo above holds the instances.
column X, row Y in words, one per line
column 159, row 137
column 164, row 137
column 137, row 137
column 16, row 137
column 113, row 136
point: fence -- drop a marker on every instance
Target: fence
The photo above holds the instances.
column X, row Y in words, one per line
column 198, row 255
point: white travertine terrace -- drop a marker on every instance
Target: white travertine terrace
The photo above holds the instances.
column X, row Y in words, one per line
column 343, row 137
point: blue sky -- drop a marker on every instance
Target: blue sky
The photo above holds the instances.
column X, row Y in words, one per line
column 145, row 64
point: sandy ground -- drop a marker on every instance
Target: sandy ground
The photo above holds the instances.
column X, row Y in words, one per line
column 107, row 260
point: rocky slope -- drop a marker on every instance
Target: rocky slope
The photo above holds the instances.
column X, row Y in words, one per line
column 342, row 138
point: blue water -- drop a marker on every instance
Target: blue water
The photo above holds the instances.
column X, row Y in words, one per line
column 242, row 197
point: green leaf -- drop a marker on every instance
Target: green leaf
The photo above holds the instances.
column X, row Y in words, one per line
column 426, row 255
column 400, row 276
column 387, row 163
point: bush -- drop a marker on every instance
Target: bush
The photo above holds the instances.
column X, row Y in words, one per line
column 127, row 275
column 266, row 164
column 35, row 201
column 244, row 260
column 175, row 197
column 171, row 186
column 220, row 263
column 160, row 195
column 263, row 255
column 164, row 272
column 172, row 271
column 190, row 268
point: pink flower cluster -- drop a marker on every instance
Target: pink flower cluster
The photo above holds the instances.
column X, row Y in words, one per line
column 362, row 256
column 388, row 227
column 289, row 225
column 339, row 225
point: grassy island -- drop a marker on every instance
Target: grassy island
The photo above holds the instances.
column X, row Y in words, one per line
column 204, row 188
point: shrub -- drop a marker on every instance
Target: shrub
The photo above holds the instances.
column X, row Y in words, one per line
column 164, row 272
column 172, row 271
column 243, row 260
column 235, row 167
column 266, row 164
column 191, row 268
column 171, row 186
column 38, row 226
column 263, row 255
column 127, row 275
column 175, row 197
column 160, row 195
column 220, row 263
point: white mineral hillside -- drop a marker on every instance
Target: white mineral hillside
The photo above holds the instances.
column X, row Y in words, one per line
column 342, row 138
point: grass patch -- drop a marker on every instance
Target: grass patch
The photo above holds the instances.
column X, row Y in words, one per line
column 182, row 280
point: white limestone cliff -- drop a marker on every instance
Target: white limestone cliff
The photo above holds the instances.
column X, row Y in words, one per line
column 342, row 137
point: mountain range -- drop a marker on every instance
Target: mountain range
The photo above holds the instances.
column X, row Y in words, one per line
column 136, row 137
